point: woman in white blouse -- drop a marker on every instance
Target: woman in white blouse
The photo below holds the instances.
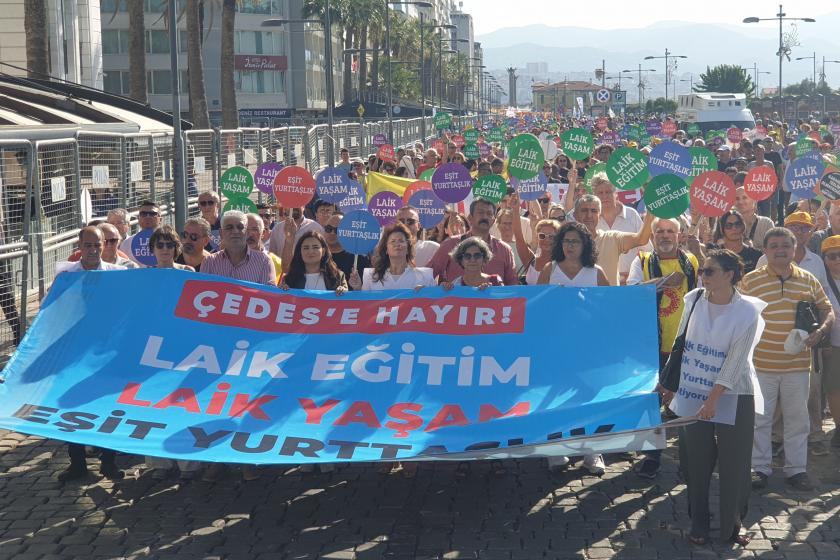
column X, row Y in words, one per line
column 717, row 381
column 393, row 264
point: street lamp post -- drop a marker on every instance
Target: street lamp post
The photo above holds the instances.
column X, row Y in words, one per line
column 690, row 81
column 668, row 55
column 388, row 4
column 812, row 58
column 756, row 73
column 780, row 210
column 178, row 179
column 641, row 84
column 327, row 24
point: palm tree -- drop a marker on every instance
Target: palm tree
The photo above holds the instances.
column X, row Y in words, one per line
column 136, row 51
column 198, row 97
column 35, row 26
column 230, row 112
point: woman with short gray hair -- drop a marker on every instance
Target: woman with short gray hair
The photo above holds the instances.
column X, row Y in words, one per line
column 472, row 254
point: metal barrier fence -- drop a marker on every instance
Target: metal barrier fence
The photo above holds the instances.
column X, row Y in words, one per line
column 50, row 188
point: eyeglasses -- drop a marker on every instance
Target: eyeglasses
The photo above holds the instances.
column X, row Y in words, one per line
column 799, row 229
column 544, row 200
column 473, row 256
column 191, row 236
column 708, row 271
column 207, row 202
column 112, row 241
column 832, row 256
column 408, row 221
column 572, row 242
column 165, row 245
column 148, row 214
column 266, row 216
column 733, row 225
column 544, row 236
column 560, row 218
column 330, row 229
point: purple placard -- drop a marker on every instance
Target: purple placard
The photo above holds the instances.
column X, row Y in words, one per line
column 835, row 129
column 379, row 140
column 452, row 182
column 265, row 174
column 332, row 184
column 429, row 206
column 653, row 127
column 384, row 206
column 612, row 138
column 484, row 149
column 355, row 199
column 531, row 189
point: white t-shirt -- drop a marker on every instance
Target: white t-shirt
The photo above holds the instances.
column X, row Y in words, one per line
column 77, row 266
column 424, row 251
column 409, row 279
column 315, row 281
column 586, row 277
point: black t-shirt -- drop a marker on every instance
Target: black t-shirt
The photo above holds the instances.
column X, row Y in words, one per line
column 180, row 260
column 774, row 158
column 344, row 261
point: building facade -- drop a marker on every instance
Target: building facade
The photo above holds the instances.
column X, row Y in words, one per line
column 562, row 97
column 73, row 40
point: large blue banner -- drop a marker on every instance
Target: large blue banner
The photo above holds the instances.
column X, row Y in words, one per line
column 189, row 366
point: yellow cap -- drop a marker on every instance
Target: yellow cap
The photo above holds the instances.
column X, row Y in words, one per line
column 832, row 242
column 799, row 218
column 632, row 145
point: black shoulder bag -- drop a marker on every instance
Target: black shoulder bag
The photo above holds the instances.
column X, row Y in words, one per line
column 669, row 377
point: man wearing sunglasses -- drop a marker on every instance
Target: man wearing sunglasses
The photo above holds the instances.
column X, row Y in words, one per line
column 210, row 205
column 424, row 250
column 194, row 239
column 148, row 218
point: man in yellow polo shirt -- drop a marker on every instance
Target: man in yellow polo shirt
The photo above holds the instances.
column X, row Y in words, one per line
column 680, row 268
column 783, row 373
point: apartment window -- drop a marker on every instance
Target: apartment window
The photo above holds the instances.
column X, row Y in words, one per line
column 259, row 7
column 114, row 41
column 159, row 82
column 259, row 82
column 257, row 42
column 115, row 81
column 157, row 41
column 108, row 7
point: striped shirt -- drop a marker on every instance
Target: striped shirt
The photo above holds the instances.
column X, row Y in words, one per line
column 255, row 267
column 780, row 315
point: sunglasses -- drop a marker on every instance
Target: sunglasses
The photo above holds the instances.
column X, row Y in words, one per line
column 832, row 256
column 165, row 245
column 543, row 200
column 330, row 229
column 266, row 216
column 473, row 256
column 544, row 236
column 708, row 271
column 191, row 236
column 560, row 218
column 148, row 214
column 207, row 202
column 112, row 241
column 408, row 221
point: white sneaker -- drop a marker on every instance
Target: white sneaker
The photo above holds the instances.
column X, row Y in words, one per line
column 594, row 464
column 558, row 463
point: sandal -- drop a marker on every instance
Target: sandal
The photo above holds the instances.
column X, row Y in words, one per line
column 739, row 539
column 699, row 541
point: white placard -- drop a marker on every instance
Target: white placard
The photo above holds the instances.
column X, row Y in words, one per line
column 353, row 142
column 58, row 189
column 340, row 143
column 298, row 152
column 87, row 206
column 136, row 170
column 198, row 164
column 99, row 175
column 250, row 156
column 320, row 145
column 265, row 154
column 278, row 155
column 231, row 160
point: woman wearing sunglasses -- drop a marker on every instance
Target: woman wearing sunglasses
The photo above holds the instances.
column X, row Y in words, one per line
column 717, row 384
column 166, row 247
column 472, row 254
column 546, row 230
column 831, row 355
column 730, row 232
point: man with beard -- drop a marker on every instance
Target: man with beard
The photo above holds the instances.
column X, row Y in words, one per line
column 482, row 217
column 297, row 224
column 680, row 268
column 194, row 239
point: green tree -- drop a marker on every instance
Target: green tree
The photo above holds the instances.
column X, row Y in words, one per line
column 660, row 105
column 35, row 26
column 726, row 78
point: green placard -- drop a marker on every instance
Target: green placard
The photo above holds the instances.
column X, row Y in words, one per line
column 496, row 134
column 805, row 145
column 590, row 173
column 236, row 182
column 241, row 203
column 577, row 143
column 443, row 121
column 627, row 169
column 470, row 136
column 702, row 160
column 666, row 196
column 490, row 187
column 693, row 129
column 525, row 156
column 427, row 175
column 471, row 151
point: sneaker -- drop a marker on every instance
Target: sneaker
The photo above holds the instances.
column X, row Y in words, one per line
column 646, row 468
column 558, row 464
column 835, row 439
column 214, row 472
column 800, row 481
column 72, row 473
column 759, row 480
column 818, row 448
column 778, row 449
column 595, row 464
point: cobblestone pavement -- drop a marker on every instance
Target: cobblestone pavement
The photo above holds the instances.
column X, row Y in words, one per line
column 355, row 512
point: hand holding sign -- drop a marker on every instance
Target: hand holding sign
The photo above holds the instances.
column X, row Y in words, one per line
column 666, row 196
column 358, row 232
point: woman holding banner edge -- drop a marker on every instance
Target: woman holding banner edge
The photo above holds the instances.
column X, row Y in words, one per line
column 722, row 328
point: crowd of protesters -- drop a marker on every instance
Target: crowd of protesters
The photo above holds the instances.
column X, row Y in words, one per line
column 735, row 282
